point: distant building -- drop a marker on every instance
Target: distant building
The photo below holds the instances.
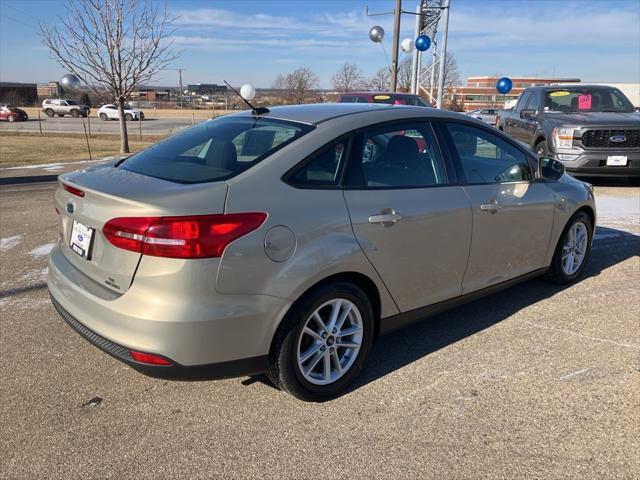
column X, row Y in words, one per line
column 152, row 94
column 50, row 90
column 206, row 89
column 19, row 94
column 480, row 92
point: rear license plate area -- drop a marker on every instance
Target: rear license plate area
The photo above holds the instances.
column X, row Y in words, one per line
column 81, row 239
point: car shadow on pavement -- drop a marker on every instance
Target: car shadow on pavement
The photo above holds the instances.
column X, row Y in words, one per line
column 405, row 346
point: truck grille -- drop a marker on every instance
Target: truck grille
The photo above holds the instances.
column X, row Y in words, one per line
column 602, row 138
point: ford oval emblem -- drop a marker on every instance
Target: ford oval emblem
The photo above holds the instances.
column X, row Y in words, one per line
column 70, row 208
column 618, row 138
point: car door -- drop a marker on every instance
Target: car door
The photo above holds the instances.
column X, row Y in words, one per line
column 528, row 126
column 410, row 217
column 112, row 112
column 512, row 213
column 514, row 122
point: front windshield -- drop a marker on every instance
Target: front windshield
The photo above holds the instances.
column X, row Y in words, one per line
column 587, row 100
column 215, row 150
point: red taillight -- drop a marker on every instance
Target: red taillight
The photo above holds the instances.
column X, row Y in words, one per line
column 201, row 236
column 149, row 358
column 74, row 190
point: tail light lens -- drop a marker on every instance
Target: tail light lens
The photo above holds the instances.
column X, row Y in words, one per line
column 202, row 236
column 74, row 190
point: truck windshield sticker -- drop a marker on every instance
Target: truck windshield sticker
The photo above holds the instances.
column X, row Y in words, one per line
column 584, row 101
column 382, row 97
column 562, row 93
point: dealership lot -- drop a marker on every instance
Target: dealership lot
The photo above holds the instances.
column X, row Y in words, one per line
column 536, row 381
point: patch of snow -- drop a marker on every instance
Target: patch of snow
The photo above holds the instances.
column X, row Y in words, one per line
column 42, row 250
column 10, row 242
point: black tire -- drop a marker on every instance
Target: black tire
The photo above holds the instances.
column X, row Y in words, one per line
column 283, row 369
column 103, row 117
column 75, row 113
column 542, row 149
column 49, row 113
column 128, row 117
column 635, row 181
column 556, row 273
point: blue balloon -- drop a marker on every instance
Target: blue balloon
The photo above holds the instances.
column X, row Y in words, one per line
column 504, row 85
column 423, row 43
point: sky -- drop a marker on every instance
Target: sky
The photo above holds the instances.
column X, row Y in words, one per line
column 252, row 41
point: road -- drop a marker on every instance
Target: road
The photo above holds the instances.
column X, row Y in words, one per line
column 150, row 126
column 534, row 382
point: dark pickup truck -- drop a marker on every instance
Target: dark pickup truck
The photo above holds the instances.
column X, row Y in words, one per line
column 593, row 130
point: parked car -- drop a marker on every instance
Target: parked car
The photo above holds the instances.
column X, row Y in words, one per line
column 110, row 112
column 62, row 107
column 592, row 130
column 13, row 114
column 487, row 115
column 286, row 242
column 391, row 98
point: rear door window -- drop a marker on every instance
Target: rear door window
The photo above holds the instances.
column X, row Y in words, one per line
column 397, row 156
column 215, row 150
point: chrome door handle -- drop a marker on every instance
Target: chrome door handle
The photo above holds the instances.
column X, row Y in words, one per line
column 493, row 206
column 386, row 217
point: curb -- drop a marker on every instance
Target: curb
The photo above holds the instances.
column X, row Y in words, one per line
column 29, row 179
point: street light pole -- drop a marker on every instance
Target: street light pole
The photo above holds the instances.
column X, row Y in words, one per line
column 397, row 13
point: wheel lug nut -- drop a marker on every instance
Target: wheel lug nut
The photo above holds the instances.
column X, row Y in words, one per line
column 324, row 334
column 323, row 348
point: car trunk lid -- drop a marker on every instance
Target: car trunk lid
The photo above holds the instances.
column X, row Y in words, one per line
column 94, row 196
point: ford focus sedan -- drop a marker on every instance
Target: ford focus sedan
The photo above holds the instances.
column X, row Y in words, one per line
column 287, row 241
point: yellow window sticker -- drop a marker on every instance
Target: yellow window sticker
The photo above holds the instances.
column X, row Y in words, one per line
column 562, row 93
column 381, row 97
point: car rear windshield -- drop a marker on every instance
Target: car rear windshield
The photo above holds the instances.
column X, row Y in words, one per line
column 412, row 100
column 216, row 149
column 587, row 100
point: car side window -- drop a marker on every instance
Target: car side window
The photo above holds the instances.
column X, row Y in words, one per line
column 322, row 168
column 534, row 102
column 397, row 156
column 522, row 101
column 487, row 158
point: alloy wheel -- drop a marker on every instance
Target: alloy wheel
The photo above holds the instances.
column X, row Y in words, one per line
column 574, row 249
column 330, row 341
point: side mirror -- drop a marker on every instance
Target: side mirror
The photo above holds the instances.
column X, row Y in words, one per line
column 549, row 168
column 528, row 114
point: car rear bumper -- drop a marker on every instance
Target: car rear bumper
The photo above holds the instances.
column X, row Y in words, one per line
column 595, row 164
column 218, row 336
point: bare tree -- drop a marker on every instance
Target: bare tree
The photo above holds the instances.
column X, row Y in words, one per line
column 295, row 86
column 451, row 74
column 404, row 74
column 112, row 46
column 380, row 80
column 13, row 97
column 348, row 78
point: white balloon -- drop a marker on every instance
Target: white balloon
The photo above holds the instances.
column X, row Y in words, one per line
column 247, row 91
column 407, row 45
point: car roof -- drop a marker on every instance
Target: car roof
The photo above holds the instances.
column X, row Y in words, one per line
column 315, row 113
column 396, row 94
column 570, row 86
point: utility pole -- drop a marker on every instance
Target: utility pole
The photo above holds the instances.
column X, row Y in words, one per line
column 443, row 55
column 397, row 13
column 415, row 61
column 180, row 81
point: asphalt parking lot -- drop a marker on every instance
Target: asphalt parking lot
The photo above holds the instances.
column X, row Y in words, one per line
column 534, row 382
